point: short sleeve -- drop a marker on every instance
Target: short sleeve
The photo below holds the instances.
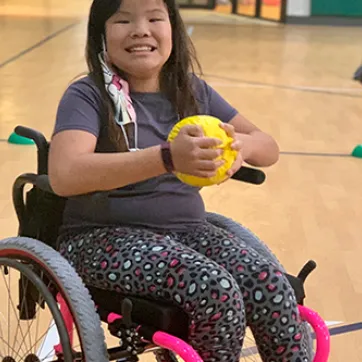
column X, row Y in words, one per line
column 212, row 103
column 79, row 108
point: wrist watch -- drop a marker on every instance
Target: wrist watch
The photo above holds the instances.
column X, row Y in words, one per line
column 167, row 157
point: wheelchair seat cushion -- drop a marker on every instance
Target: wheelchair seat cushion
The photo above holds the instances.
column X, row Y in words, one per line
column 154, row 313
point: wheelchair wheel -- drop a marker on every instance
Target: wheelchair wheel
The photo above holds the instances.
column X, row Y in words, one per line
column 46, row 312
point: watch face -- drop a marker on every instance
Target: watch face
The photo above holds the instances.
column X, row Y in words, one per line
column 167, row 157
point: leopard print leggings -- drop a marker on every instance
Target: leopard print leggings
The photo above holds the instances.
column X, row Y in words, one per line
column 220, row 282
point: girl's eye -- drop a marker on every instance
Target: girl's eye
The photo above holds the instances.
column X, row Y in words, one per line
column 122, row 22
column 155, row 19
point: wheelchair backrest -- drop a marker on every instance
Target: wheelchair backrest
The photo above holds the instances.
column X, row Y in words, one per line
column 43, row 216
column 40, row 212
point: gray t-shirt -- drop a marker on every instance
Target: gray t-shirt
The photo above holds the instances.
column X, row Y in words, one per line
column 162, row 202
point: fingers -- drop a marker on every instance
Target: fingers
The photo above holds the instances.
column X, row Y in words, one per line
column 205, row 173
column 209, row 165
column 237, row 145
column 208, row 154
column 234, row 168
column 192, row 130
column 208, row 142
column 200, row 139
column 203, row 152
column 207, row 169
column 236, row 165
column 229, row 129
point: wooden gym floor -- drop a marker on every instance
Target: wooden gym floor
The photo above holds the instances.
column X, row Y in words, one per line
column 292, row 81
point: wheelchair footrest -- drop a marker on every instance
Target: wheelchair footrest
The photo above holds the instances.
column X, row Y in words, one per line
column 122, row 327
column 129, row 338
column 157, row 315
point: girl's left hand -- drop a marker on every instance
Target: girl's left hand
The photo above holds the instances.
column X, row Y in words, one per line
column 237, row 145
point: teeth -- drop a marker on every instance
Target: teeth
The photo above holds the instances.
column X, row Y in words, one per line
column 140, row 49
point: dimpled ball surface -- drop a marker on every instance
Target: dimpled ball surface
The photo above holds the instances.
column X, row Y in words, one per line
column 211, row 128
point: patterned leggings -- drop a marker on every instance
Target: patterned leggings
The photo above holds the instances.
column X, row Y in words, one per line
column 220, row 282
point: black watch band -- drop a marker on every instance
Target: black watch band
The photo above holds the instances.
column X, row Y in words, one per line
column 167, row 157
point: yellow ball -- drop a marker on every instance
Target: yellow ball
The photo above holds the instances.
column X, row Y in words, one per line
column 211, row 128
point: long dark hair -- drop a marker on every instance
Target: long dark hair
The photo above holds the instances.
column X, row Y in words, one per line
column 175, row 80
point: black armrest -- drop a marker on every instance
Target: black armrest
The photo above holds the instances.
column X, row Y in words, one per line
column 36, row 136
column 249, row 175
column 42, row 182
column 41, row 144
column 297, row 283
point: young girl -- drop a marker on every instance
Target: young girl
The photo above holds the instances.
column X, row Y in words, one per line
column 149, row 237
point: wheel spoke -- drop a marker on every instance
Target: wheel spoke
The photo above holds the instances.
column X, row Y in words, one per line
column 21, row 310
column 52, row 321
column 10, row 302
column 9, row 347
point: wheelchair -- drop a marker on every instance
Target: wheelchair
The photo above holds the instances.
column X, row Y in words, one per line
column 43, row 281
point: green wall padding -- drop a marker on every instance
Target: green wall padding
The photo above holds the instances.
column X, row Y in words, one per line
column 349, row 8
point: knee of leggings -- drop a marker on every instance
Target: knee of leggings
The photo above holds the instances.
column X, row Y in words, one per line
column 218, row 319
column 265, row 283
column 219, row 298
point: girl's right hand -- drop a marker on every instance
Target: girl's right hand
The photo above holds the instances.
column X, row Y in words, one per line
column 194, row 154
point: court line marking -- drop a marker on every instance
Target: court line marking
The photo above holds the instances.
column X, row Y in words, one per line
column 348, row 328
column 38, row 44
column 243, row 83
column 238, row 83
column 314, row 154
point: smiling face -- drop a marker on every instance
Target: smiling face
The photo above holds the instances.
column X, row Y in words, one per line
column 139, row 38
